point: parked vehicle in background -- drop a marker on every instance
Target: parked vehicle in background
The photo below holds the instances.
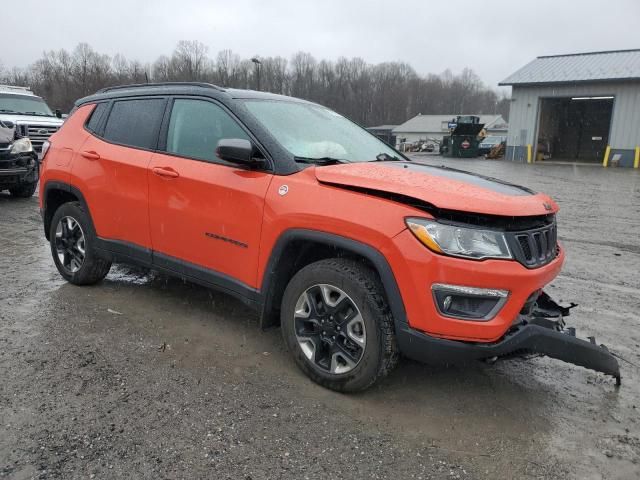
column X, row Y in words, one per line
column 270, row 199
column 427, row 147
column 489, row 142
column 26, row 122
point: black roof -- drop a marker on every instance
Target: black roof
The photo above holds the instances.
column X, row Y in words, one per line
column 181, row 88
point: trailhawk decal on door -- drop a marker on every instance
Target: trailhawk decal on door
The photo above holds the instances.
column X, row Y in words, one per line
column 237, row 243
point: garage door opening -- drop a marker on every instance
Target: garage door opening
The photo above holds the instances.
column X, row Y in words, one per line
column 574, row 129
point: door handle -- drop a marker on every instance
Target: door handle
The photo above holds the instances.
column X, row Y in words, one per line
column 166, row 172
column 91, row 155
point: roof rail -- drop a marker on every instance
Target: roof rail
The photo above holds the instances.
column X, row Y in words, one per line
column 161, row 84
column 13, row 88
column 630, row 50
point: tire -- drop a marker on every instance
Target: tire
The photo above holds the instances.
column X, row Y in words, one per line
column 25, row 190
column 341, row 346
column 75, row 267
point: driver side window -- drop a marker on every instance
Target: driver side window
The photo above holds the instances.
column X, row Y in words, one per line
column 196, row 126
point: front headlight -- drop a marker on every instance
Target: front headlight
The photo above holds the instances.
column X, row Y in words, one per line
column 22, row 145
column 459, row 241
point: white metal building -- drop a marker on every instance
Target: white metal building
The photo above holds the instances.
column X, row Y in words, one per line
column 434, row 127
column 579, row 108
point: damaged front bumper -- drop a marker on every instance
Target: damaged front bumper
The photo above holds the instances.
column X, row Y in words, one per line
column 541, row 331
column 18, row 169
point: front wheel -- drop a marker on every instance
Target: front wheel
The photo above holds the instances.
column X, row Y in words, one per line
column 72, row 246
column 336, row 322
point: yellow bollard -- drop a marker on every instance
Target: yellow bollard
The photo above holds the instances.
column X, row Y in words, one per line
column 605, row 162
column 636, row 161
column 529, row 155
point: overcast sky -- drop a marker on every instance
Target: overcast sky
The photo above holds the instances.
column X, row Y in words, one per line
column 494, row 38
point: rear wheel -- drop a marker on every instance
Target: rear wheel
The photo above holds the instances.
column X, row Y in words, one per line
column 337, row 324
column 24, row 190
column 73, row 246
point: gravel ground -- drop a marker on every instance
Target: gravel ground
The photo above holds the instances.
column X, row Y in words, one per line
column 143, row 376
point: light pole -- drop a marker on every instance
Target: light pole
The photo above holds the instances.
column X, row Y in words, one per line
column 257, row 63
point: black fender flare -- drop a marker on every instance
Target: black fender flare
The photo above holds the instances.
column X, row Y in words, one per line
column 65, row 187
column 373, row 255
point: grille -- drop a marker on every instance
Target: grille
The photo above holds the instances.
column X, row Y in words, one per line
column 38, row 134
column 536, row 247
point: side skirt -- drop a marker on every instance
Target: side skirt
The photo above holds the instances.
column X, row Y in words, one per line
column 123, row 252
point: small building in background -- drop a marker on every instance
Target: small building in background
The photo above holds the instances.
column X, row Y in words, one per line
column 434, row 127
column 384, row 133
column 579, row 108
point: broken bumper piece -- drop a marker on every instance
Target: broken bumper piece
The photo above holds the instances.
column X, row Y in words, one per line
column 542, row 331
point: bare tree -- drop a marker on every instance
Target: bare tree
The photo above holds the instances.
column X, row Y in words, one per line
column 388, row 92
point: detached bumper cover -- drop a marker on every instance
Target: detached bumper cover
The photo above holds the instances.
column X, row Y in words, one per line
column 541, row 332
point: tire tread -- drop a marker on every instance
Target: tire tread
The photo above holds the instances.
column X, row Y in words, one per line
column 369, row 282
column 94, row 268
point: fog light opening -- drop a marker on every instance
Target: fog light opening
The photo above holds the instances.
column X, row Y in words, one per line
column 468, row 303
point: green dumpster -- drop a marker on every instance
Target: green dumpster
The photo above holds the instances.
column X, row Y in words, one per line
column 463, row 141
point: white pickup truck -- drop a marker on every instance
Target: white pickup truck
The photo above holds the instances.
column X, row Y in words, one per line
column 26, row 122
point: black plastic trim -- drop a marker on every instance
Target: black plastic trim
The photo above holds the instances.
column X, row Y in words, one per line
column 524, row 340
column 65, row 187
column 371, row 254
column 125, row 252
column 207, row 278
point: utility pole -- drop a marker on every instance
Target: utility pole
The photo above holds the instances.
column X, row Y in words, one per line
column 257, row 63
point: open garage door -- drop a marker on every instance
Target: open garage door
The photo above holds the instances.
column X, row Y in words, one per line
column 574, row 129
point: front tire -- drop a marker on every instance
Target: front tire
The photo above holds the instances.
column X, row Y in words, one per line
column 338, row 326
column 24, row 190
column 73, row 246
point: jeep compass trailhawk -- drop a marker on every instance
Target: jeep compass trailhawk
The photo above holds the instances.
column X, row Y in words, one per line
column 357, row 252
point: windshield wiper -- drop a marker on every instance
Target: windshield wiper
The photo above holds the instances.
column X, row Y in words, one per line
column 320, row 160
column 5, row 110
column 385, row 157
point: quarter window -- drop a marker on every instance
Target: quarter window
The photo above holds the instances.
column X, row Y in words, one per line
column 96, row 117
column 196, row 127
column 135, row 122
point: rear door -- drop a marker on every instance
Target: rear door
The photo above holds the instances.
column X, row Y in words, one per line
column 115, row 159
column 206, row 214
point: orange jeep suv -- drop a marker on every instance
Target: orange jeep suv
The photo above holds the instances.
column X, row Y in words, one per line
column 358, row 253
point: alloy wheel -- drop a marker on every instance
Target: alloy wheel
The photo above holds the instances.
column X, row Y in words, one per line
column 330, row 329
column 70, row 244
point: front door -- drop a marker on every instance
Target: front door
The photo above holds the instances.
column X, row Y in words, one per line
column 205, row 214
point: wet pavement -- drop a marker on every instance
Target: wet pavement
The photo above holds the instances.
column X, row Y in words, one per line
column 143, row 376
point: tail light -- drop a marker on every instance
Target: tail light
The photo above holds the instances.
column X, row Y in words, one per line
column 45, row 149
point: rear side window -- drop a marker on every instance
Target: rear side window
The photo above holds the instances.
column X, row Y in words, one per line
column 135, row 122
column 96, row 117
column 196, row 126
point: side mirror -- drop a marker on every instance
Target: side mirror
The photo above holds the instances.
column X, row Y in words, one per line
column 58, row 113
column 236, row 150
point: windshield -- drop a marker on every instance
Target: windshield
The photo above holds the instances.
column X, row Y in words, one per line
column 315, row 132
column 492, row 140
column 26, row 104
